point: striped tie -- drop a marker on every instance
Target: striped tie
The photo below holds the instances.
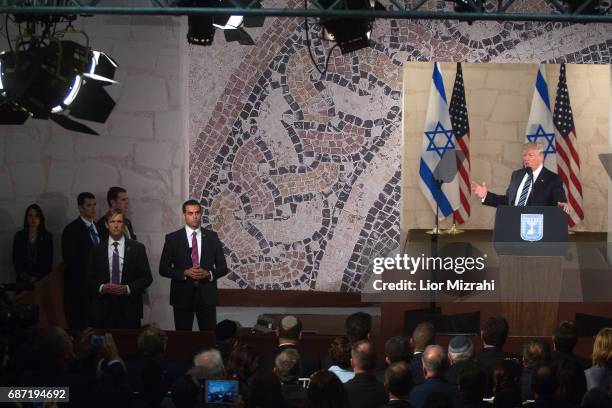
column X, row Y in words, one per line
column 525, row 192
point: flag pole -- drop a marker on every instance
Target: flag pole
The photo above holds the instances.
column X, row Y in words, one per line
column 454, row 230
column 435, row 231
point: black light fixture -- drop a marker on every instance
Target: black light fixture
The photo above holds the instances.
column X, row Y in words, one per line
column 350, row 34
column 468, row 6
column 55, row 80
column 588, row 7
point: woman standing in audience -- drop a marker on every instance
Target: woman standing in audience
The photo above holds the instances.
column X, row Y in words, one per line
column 326, row 391
column 33, row 247
column 600, row 375
column 340, row 356
column 506, row 380
column 33, row 259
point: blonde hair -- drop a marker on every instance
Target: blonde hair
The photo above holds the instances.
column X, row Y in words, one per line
column 602, row 348
column 534, row 146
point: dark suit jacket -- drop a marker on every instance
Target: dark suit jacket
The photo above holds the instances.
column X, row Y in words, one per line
column 560, row 356
column 294, row 395
column 103, row 231
column 136, row 274
column 416, row 368
column 44, row 255
column 397, row 404
column 310, row 362
column 547, row 190
column 176, row 257
column 76, row 244
column 364, row 391
column 487, row 359
column 420, row 393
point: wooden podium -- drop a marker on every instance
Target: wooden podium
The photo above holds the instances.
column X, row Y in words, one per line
column 531, row 243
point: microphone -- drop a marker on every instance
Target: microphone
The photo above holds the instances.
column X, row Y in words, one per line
column 529, row 171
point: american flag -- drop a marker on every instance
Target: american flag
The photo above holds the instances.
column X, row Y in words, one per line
column 461, row 127
column 568, row 161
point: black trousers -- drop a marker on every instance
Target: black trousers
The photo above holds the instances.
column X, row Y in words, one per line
column 206, row 315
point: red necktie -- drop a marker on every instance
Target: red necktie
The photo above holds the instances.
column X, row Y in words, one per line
column 195, row 258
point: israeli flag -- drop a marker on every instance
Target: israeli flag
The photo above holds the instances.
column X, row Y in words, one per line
column 438, row 166
column 540, row 128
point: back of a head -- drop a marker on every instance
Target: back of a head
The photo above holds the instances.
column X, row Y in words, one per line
column 565, row 336
column 434, row 360
column 397, row 349
column 185, row 392
column 290, row 328
column 363, row 356
column 544, row 380
column 536, row 351
column 358, row 326
column 54, row 347
column 398, row 379
column 460, row 348
column 423, row 335
column 572, row 381
column 287, row 365
column 210, row 363
column 495, row 331
column 438, row 399
column 472, row 384
column 227, row 333
column 340, row 352
column 596, row 398
column 152, row 340
column 326, row 391
column 506, row 374
column 265, row 391
column 602, row 348
column 242, row 363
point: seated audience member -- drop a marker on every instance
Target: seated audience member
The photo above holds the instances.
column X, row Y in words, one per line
column 151, row 345
column 596, row 398
column 289, row 334
column 397, row 349
column 326, row 391
column 572, row 382
column 439, row 400
column 116, row 197
column 535, row 352
column 340, row 356
column 506, row 384
column 600, row 374
column 287, row 368
column 208, row 365
column 364, row 390
column 398, row 384
column 563, row 342
column 472, row 387
column 186, row 392
column 424, row 335
column 434, row 372
column 32, row 247
column 544, row 385
column 241, row 366
column 493, row 334
column 227, row 337
column 460, row 358
column 265, row 391
column 358, row 326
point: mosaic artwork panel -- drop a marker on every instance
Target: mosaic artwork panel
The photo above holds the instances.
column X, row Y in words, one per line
column 300, row 172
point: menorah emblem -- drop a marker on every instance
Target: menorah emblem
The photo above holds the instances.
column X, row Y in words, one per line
column 532, row 227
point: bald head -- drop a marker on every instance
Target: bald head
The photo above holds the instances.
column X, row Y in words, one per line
column 434, row 361
column 363, row 357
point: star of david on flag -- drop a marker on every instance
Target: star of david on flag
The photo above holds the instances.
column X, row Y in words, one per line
column 438, row 165
column 540, row 128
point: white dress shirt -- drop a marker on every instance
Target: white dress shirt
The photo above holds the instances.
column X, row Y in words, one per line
column 93, row 225
column 121, row 251
column 536, row 173
column 198, row 232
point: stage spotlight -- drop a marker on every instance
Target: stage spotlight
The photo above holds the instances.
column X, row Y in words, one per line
column 468, row 6
column 589, row 7
column 54, row 82
column 234, row 26
column 350, row 34
column 201, row 30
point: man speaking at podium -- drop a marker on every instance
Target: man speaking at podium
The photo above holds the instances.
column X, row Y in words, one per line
column 534, row 184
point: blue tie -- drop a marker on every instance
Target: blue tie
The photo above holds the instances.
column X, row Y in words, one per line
column 525, row 192
column 94, row 236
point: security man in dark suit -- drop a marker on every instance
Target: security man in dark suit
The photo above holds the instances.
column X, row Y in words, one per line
column 117, row 197
column 193, row 259
column 117, row 275
column 534, row 184
column 77, row 240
